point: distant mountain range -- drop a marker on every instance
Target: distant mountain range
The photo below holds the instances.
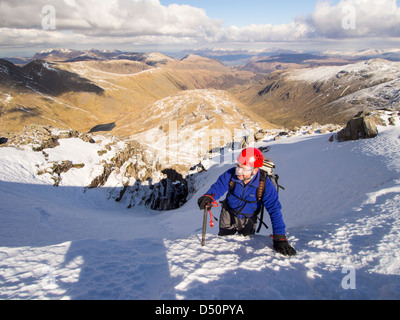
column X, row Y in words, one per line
column 231, row 57
column 96, row 88
column 88, row 89
column 325, row 94
column 243, row 56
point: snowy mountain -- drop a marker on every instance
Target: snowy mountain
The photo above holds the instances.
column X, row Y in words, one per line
column 289, row 61
column 341, row 206
column 389, row 54
column 103, row 155
column 329, row 94
column 68, row 55
column 90, row 89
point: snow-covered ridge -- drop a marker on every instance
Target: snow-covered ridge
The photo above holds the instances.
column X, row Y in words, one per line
column 362, row 53
column 62, row 50
column 376, row 69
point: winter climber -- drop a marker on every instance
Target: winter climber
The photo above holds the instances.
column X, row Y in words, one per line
column 241, row 208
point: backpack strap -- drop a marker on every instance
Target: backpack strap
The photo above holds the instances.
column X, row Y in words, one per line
column 260, row 194
column 261, row 186
column 261, row 218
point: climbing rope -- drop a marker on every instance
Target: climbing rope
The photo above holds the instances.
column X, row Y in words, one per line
column 214, row 204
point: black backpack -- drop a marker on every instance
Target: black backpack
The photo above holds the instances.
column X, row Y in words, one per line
column 266, row 172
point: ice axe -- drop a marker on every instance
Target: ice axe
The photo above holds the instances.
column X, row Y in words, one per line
column 207, row 211
column 203, row 241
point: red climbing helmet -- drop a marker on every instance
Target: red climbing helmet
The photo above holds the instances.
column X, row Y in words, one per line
column 251, row 157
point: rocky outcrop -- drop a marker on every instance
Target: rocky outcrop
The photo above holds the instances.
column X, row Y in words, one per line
column 145, row 182
column 168, row 195
column 49, row 143
column 132, row 163
column 365, row 125
column 62, row 167
column 44, row 137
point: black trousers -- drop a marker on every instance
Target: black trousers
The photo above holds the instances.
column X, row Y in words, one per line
column 229, row 223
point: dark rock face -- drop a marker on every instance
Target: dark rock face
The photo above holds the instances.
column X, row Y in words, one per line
column 168, row 195
column 362, row 126
column 44, row 77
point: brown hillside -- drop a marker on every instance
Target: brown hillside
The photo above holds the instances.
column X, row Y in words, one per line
column 123, row 91
column 84, row 94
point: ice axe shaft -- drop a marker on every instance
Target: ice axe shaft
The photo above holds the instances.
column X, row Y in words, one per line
column 203, row 241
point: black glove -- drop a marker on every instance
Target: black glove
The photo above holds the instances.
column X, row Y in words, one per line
column 282, row 246
column 205, row 202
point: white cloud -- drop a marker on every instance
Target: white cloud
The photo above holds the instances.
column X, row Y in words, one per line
column 260, row 33
column 348, row 19
column 377, row 18
column 116, row 17
column 91, row 22
column 146, row 22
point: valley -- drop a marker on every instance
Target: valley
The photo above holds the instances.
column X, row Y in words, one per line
column 80, row 90
column 83, row 94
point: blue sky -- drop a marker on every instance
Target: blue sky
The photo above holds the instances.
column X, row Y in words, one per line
column 242, row 13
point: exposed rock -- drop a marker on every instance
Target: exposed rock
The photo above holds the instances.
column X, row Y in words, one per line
column 259, row 136
column 87, row 138
column 64, row 166
column 362, row 126
column 132, row 151
column 144, row 180
column 45, row 137
column 392, row 121
column 50, row 143
column 68, row 134
column 168, row 195
column 58, row 168
column 101, row 179
column 145, row 183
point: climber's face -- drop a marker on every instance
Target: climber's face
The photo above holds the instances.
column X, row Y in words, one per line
column 245, row 173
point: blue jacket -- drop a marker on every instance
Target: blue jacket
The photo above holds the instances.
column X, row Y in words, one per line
column 249, row 192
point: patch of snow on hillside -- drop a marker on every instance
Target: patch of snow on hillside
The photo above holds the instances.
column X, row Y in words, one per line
column 375, row 69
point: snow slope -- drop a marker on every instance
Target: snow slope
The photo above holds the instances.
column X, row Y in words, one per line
column 341, row 206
